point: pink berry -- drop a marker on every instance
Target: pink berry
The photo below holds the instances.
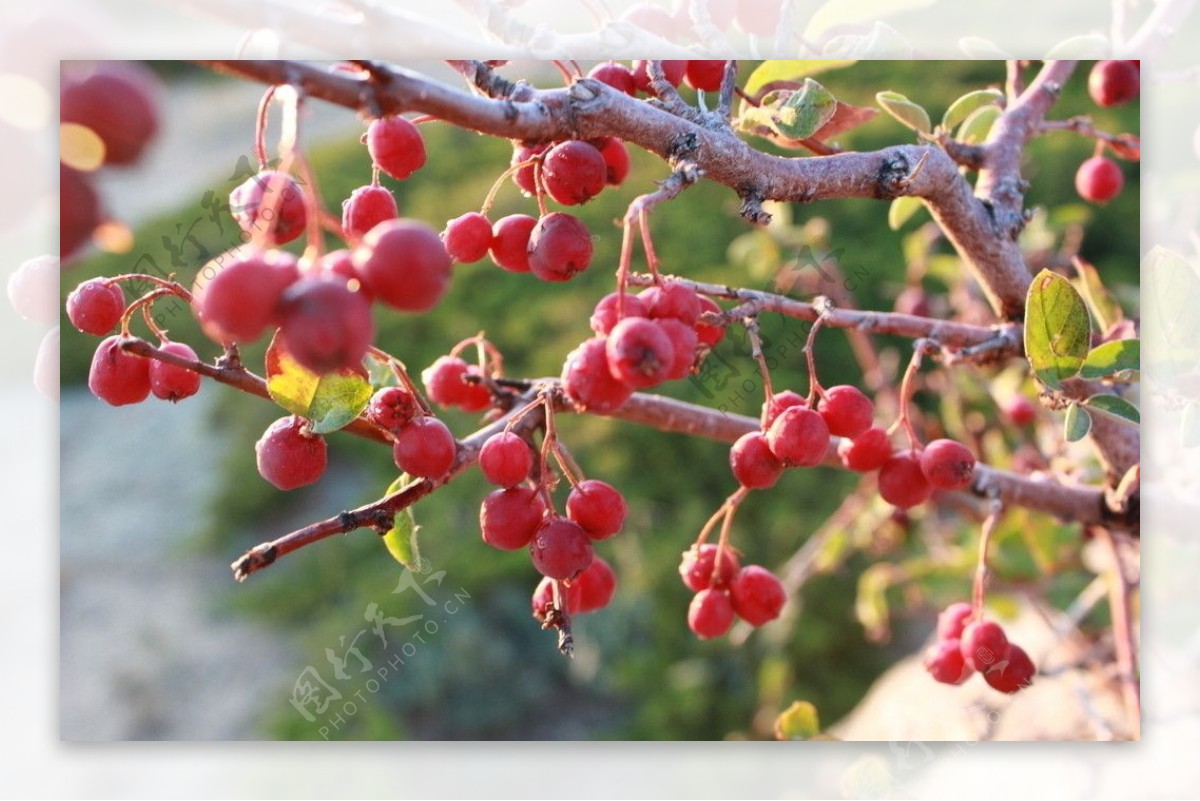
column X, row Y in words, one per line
column 868, row 451
column 505, row 459
column 339, row 264
column 846, row 410
column 598, row 507
column 403, row 264
column 758, row 597
column 700, row 568
column 444, row 382
column 709, row 335
column 1021, row 410
column 96, row 306
column 526, row 177
column 618, row 76
column 597, row 585
column 116, row 377
column 560, row 247
column 1013, row 672
column 509, row 517
column 616, row 159
column 586, row 379
column 468, row 238
column 901, row 481
column 1099, row 180
column 392, row 408
column 79, row 210
column 604, row 317
column 710, row 613
column 799, row 437
column 270, row 201
column 289, row 455
column 171, row 382
column 241, row 301
column 560, row 548
column 705, row 75
column 1111, row 83
column 510, row 242
column 953, row 620
column 119, row 102
column 573, row 172
column 782, row 401
column 947, row 464
column 753, row 464
column 684, row 343
column 944, row 662
column 983, row 644
column 324, row 325
column 640, row 353
column 673, row 71
column 672, row 300
column 425, row 448
column 366, row 207
column 396, row 146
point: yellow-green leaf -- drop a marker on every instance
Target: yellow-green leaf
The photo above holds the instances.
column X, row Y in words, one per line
column 1077, row 423
column 1115, row 406
column 401, row 538
column 328, row 401
column 775, row 71
column 968, row 104
column 798, row 722
column 1105, row 308
column 791, row 114
column 1112, row 358
column 978, row 125
column 907, row 112
column 1057, row 329
column 901, row 211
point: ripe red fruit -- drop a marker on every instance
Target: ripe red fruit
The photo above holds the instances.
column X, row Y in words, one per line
column 171, row 382
column 339, row 264
column 403, row 264
column 444, row 382
column 289, row 455
column 700, row 569
column 587, row 381
column 753, row 464
column 684, row 342
column 618, row 76
column 116, row 377
column 468, row 238
column 543, row 597
column 901, row 481
column 604, row 316
column 560, row 548
column 270, row 201
column 947, row 464
column 983, row 644
column 477, row 396
column 944, row 662
column 392, row 408
column 758, row 17
column 1099, row 180
column 573, row 172
column 673, row 71
column 509, row 517
column 1013, row 672
column 396, row 146
column 758, row 597
column 425, row 448
column 799, row 437
column 505, row 459
column 596, row 586
column 1112, row 83
column 704, row 75
column 324, row 325
column 868, row 451
column 598, row 507
column 510, row 242
column 78, row 210
column 1020, row 410
column 846, row 410
column 118, row 101
column 782, row 401
column 953, row 620
column 671, row 300
column 526, row 177
column 639, row 353
column 560, row 246
column 709, row 335
column 33, row 290
column 366, row 207
column 96, row 306
column 710, row 614
column 616, row 159
column 242, row 299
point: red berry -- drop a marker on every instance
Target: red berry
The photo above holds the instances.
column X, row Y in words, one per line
column 240, row 301
column 947, row 464
column 560, row 246
column 509, row 517
column 944, row 662
column 324, row 325
column 587, row 381
column 604, row 317
column 983, row 644
column 403, row 264
column 118, row 102
column 758, row 17
column 868, row 451
column 573, row 172
column 95, row 306
column 709, row 335
column 596, row 586
column 510, row 242
column 116, row 377
column 710, row 614
column 780, row 402
column 339, row 264
column 78, row 210
column 758, row 597
column 616, row 159
column 171, row 382
column 672, row 70
column 684, row 343
column 753, row 464
column 425, row 448
column 1099, row 180
column 1020, row 410
column 444, row 382
column 477, row 396
column 560, row 548
column 699, row 567
column 543, row 597
column 639, row 353
column 846, row 410
column 468, row 238
column 505, row 459
column 270, row 201
column 618, row 76
column 392, row 408
column 289, row 455
column 901, row 481
column 396, row 146
column 953, row 620
column 526, row 177
column 366, row 207
column 672, row 300
column 799, row 437
column 705, row 75
column 912, row 300
column 1112, row 83
column 599, row 508
column 1013, row 672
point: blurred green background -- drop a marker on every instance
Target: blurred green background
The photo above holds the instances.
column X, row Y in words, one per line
column 488, row 671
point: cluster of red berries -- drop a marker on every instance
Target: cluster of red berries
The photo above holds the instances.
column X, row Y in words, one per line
column 967, row 645
column 724, row 589
column 641, row 341
column 703, row 75
column 1110, row 83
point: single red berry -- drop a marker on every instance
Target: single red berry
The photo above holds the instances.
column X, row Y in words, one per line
column 171, row 382
column 639, row 352
column 95, row 306
column 758, row 597
column 846, row 410
column 673, row 71
column 573, row 172
column 586, row 379
column 616, row 159
column 708, row 334
column 79, row 210
column 270, row 201
column 953, row 619
column 684, row 343
column 868, row 451
column 618, row 76
column 392, row 408
column 526, row 177
column 339, row 264
column 1099, row 180
column 509, row 517
column 560, row 247
column 468, row 238
column 241, row 300
column 902, row 482
column 1112, row 83
column 444, row 382
column 366, row 207
column 1013, row 672
column 560, row 548
column 543, row 598
column 510, row 242
column 425, row 448
column 598, row 507
column 396, row 146
column 596, row 586
column 700, row 568
column 753, row 464
column 758, row 17
column 1020, row 410
column 119, row 102
column 799, row 437
column 324, row 325
column 604, row 317
column 912, row 300
column 478, row 395
column 983, row 644
column 705, row 75
column 505, row 459
column 710, row 613
column 672, row 300
column 403, row 264
column 944, row 662
column 289, row 455
column 947, row 464
column 116, row 377
column 782, row 401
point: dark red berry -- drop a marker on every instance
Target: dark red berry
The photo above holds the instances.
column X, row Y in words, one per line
column 468, row 238
column 673, row 71
column 324, row 325
column 1112, row 83
column 799, row 437
column 171, row 382
column 560, row 247
column 596, row 586
column 868, row 451
column 599, row 508
column 392, row 408
column 604, row 317
column 403, row 264
column 118, row 101
column 705, row 75
column 1013, row 672
column 509, row 517
column 709, row 335
column 901, row 481
column 586, row 379
column 780, row 402
column 953, row 620
column 710, row 614
column 116, row 377
column 95, row 306
column 944, row 662
column 1020, row 410
column 289, row 455
column 616, row 159
column 510, row 242
column 560, row 548
column 684, row 343
column 396, row 146
column 543, row 597
column 573, row 172
column 758, row 597
column 639, row 352
column 366, row 207
column 753, row 464
column 425, row 448
column 618, row 76
column 1099, row 180
column 846, row 410
column 505, row 459
column 240, row 301
column 700, row 569
column 947, row 464
column 526, row 177
column 444, row 382
column 270, row 201
column 983, row 644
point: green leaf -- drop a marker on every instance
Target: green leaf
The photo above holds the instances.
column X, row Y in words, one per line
column 1077, row 423
column 798, row 722
column 901, row 211
column 1116, row 406
column 1111, row 358
column 1105, row 308
column 791, row 114
column 781, row 71
column 907, row 112
column 328, row 401
column 871, row 604
column 978, row 125
column 1057, row 329
column 401, row 538
column 969, row 103
column 380, row 374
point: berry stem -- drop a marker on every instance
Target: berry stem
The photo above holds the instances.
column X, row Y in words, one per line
column 814, row 385
column 260, row 128
column 566, row 462
column 539, row 190
column 623, row 264
column 175, row 288
column 559, row 618
column 490, row 198
column 648, row 244
column 981, row 567
column 908, row 387
column 751, row 325
column 143, row 303
column 399, row 370
column 731, row 506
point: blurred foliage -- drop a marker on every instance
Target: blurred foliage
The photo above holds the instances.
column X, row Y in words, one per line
column 488, row 671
